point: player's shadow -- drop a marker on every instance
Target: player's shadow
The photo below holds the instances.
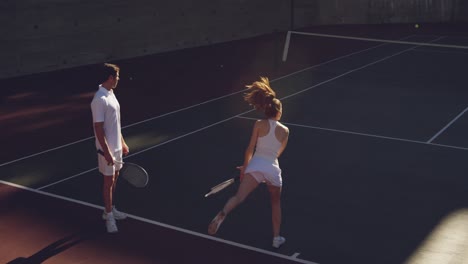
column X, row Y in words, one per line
column 57, row 247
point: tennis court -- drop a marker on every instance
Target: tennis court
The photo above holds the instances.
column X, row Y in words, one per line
column 376, row 162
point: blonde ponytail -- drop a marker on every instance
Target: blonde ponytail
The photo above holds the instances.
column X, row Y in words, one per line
column 262, row 97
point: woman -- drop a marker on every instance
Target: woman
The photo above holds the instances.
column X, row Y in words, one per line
column 269, row 139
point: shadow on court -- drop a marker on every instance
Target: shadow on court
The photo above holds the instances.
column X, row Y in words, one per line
column 36, row 229
column 57, row 247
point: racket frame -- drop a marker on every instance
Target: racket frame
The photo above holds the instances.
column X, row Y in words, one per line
column 221, row 186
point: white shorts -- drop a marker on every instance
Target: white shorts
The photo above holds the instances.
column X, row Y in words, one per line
column 264, row 170
column 107, row 170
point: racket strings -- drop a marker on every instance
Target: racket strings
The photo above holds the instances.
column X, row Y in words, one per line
column 134, row 174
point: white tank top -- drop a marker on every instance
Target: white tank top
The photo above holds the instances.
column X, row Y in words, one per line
column 268, row 146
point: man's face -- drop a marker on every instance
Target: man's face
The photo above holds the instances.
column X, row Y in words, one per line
column 115, row 80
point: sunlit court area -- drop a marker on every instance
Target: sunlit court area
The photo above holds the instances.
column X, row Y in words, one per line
column 374, row 95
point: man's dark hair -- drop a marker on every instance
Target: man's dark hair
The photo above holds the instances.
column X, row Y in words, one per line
column 108, row 69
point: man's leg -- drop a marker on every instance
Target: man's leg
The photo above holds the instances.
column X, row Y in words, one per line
column 107, row 192
column 117, row 214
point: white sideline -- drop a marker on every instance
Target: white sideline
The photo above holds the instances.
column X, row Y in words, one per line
column 141, row 219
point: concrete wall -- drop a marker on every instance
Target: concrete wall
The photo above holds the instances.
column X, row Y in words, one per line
column 462, row 11
column 46, row 35
column 52, row 34
column 317, row 12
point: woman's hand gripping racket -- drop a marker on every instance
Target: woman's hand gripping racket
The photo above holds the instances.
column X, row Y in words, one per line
column 132, row 173
column 224, row 184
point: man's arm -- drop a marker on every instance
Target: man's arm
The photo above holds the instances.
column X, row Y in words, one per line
column 125, row 148
column 101, row 137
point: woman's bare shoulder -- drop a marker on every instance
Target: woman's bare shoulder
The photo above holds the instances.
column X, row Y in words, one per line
column 281, row 132
column 283, row 127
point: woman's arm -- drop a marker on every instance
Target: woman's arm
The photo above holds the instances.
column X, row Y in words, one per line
column 284, row 143
column 250, row 148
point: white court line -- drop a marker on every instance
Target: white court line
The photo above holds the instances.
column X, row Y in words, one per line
column 66, row 179
column 429, row 44
column 51, row 195
column 45, row 151
column 186, row 231
column 259, row 250
column 339, row 58
column 447, row 126
column 295, row 255
column 189, row 107
column 365, row 134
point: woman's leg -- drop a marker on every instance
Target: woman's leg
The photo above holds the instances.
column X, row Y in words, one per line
column 275, row 197
column 247, row 185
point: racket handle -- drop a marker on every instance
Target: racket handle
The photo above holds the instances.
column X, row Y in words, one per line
column 115, row 161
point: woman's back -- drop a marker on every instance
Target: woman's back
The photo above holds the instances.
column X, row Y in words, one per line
column 271, row 138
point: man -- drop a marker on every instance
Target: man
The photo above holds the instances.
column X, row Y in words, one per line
column 109, row 140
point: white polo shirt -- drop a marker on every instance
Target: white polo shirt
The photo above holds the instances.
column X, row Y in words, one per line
column 106, row 108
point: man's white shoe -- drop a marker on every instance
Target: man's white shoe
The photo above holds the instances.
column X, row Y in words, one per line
column 278, row 241
column 111, row 225
column 117, row 214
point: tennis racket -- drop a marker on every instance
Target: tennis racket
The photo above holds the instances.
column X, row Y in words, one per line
column 222, row 186
column 132, row 173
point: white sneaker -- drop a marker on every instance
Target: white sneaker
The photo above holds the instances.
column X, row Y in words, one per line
column 111, row 225
column 278, row 241
column 117, row 214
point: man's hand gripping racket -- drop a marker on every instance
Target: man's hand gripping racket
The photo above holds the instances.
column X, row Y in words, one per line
column 132, row 173
column 223, row 185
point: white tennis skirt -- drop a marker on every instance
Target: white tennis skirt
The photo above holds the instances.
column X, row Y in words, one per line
column 265, row 170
